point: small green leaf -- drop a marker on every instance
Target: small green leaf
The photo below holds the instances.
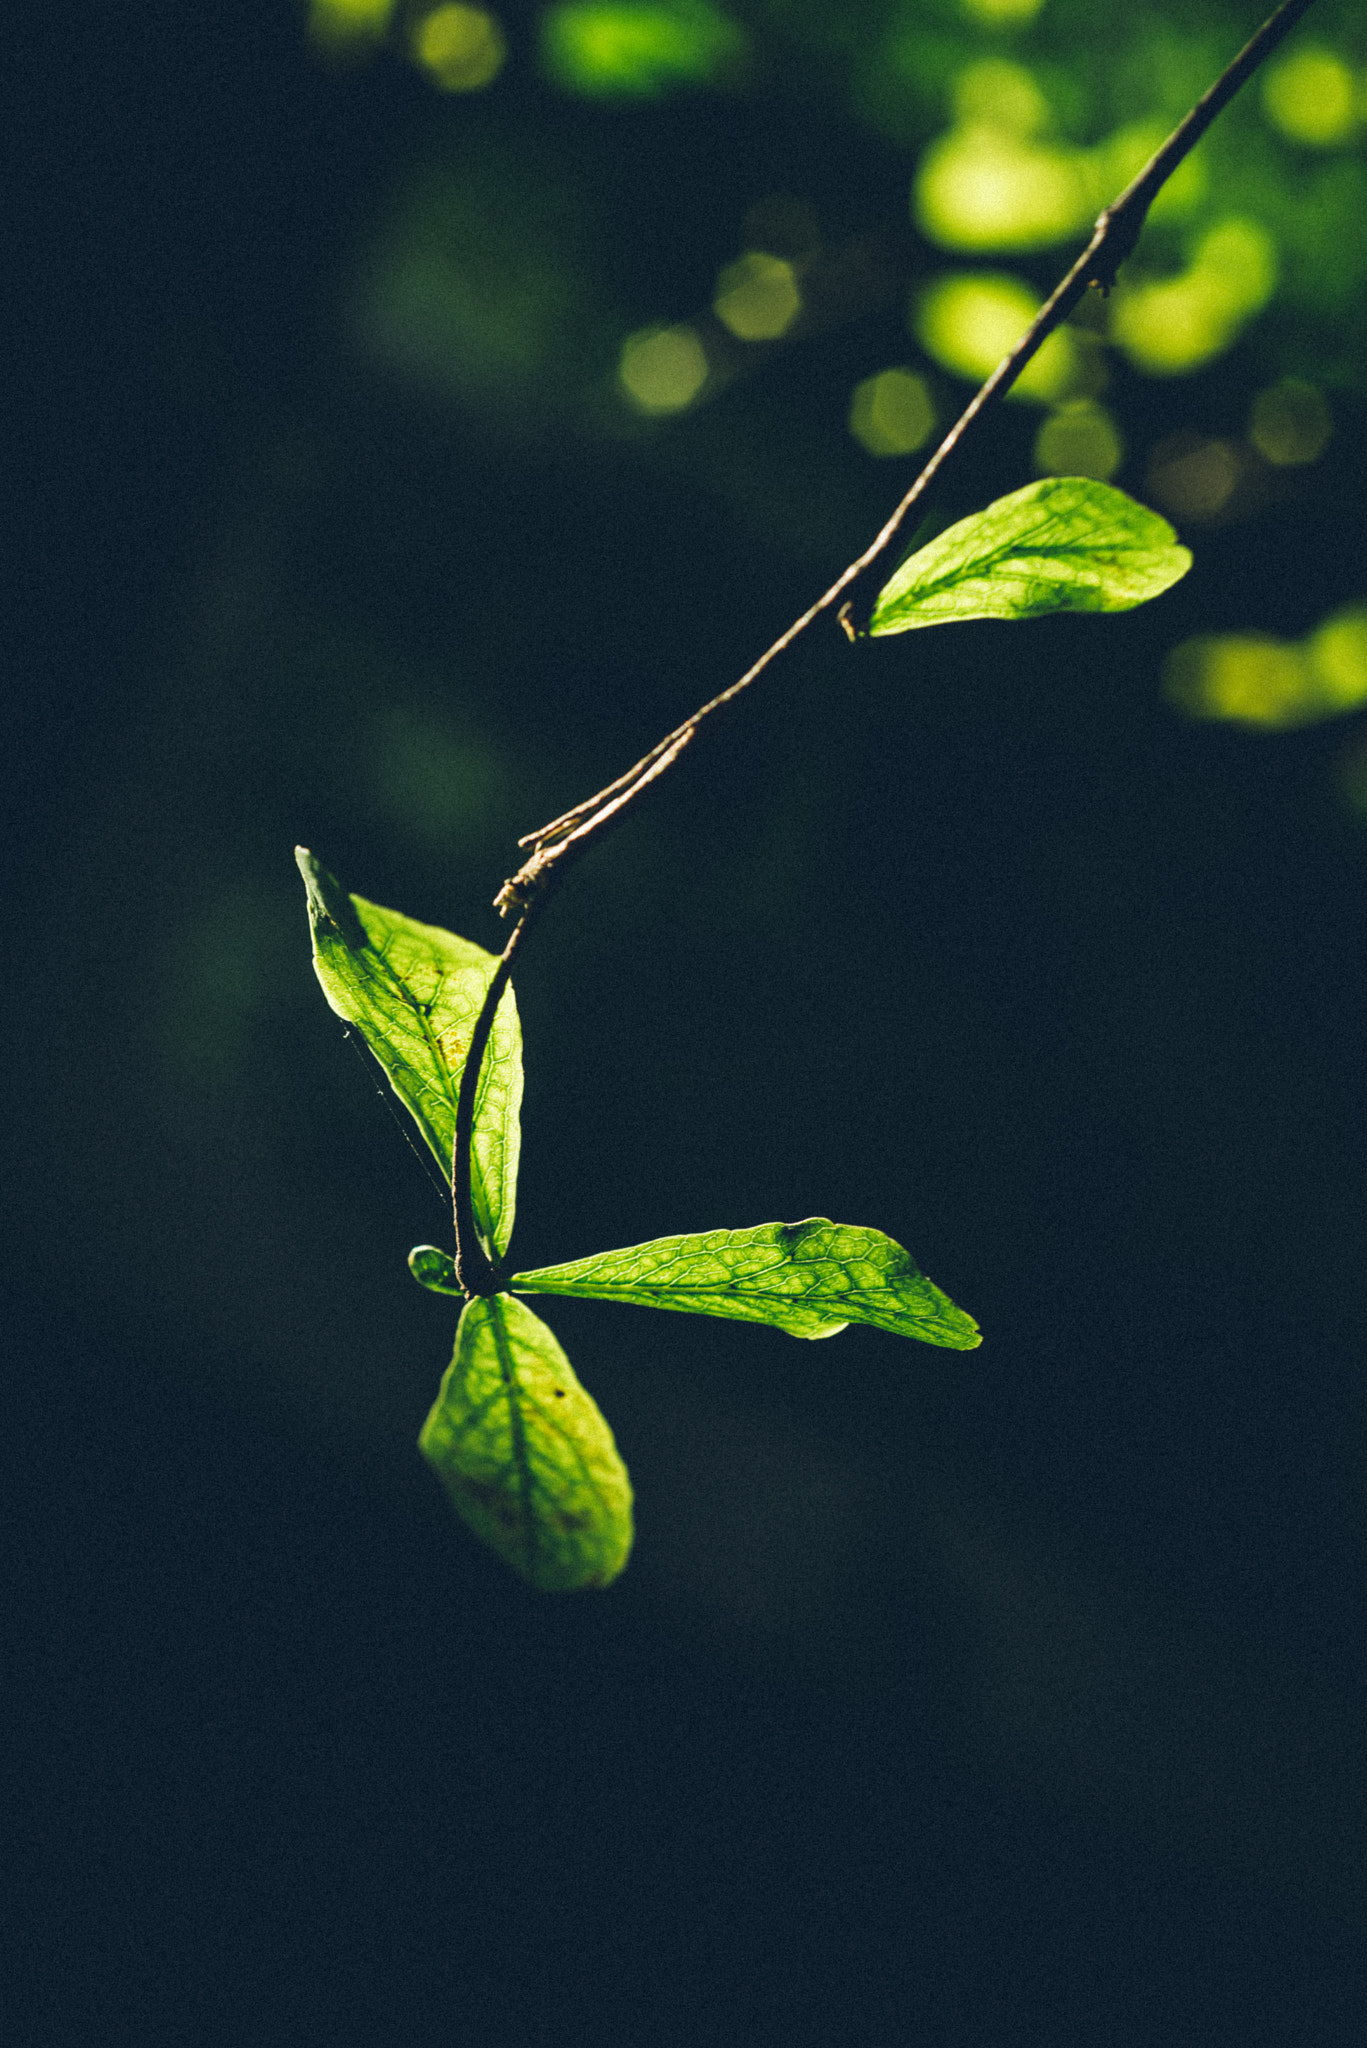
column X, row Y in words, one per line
column 1065, row 544
column 810, row 1279
column 414, row 991
column 435, row 1269
column 524, row 1453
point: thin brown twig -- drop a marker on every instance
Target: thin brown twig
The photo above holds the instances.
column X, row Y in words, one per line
column 1116, row 232
column 556, row 845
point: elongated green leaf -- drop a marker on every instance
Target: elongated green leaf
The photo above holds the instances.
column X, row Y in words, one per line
column 524, row 1453
column 1065, row 544
column 810, row 1279
column 414, row 992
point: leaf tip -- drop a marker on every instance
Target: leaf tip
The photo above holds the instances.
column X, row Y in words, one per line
column 954, row 1327
column 331, row 912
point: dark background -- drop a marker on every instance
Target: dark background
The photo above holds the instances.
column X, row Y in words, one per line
column 1009, row 1698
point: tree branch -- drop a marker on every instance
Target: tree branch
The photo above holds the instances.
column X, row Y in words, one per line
column 560, row 843
column 1114, row 237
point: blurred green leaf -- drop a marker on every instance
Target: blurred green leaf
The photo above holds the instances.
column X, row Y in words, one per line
column 1064, row 544
column 637, row 49
column 414, row 991
column 1255, row 679
column 809, row 1278
column 524, row 1453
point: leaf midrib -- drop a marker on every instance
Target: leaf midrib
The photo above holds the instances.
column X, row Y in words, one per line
column 450, row 1088
column 422, row 1011
column 517, row 1428
column 731, row 1292
column 983, row 565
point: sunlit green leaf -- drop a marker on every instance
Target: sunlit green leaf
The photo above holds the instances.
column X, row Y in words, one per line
column 524, row 1453
column 810, row 1279
column 1065, row 544
column 414, row 991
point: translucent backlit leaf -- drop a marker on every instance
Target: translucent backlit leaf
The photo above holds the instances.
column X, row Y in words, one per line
column 414, row 991
column 1063, row 544
column 525, row 1455
column 809, row 1278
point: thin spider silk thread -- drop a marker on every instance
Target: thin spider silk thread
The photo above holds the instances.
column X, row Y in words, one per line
column 423, row 1158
